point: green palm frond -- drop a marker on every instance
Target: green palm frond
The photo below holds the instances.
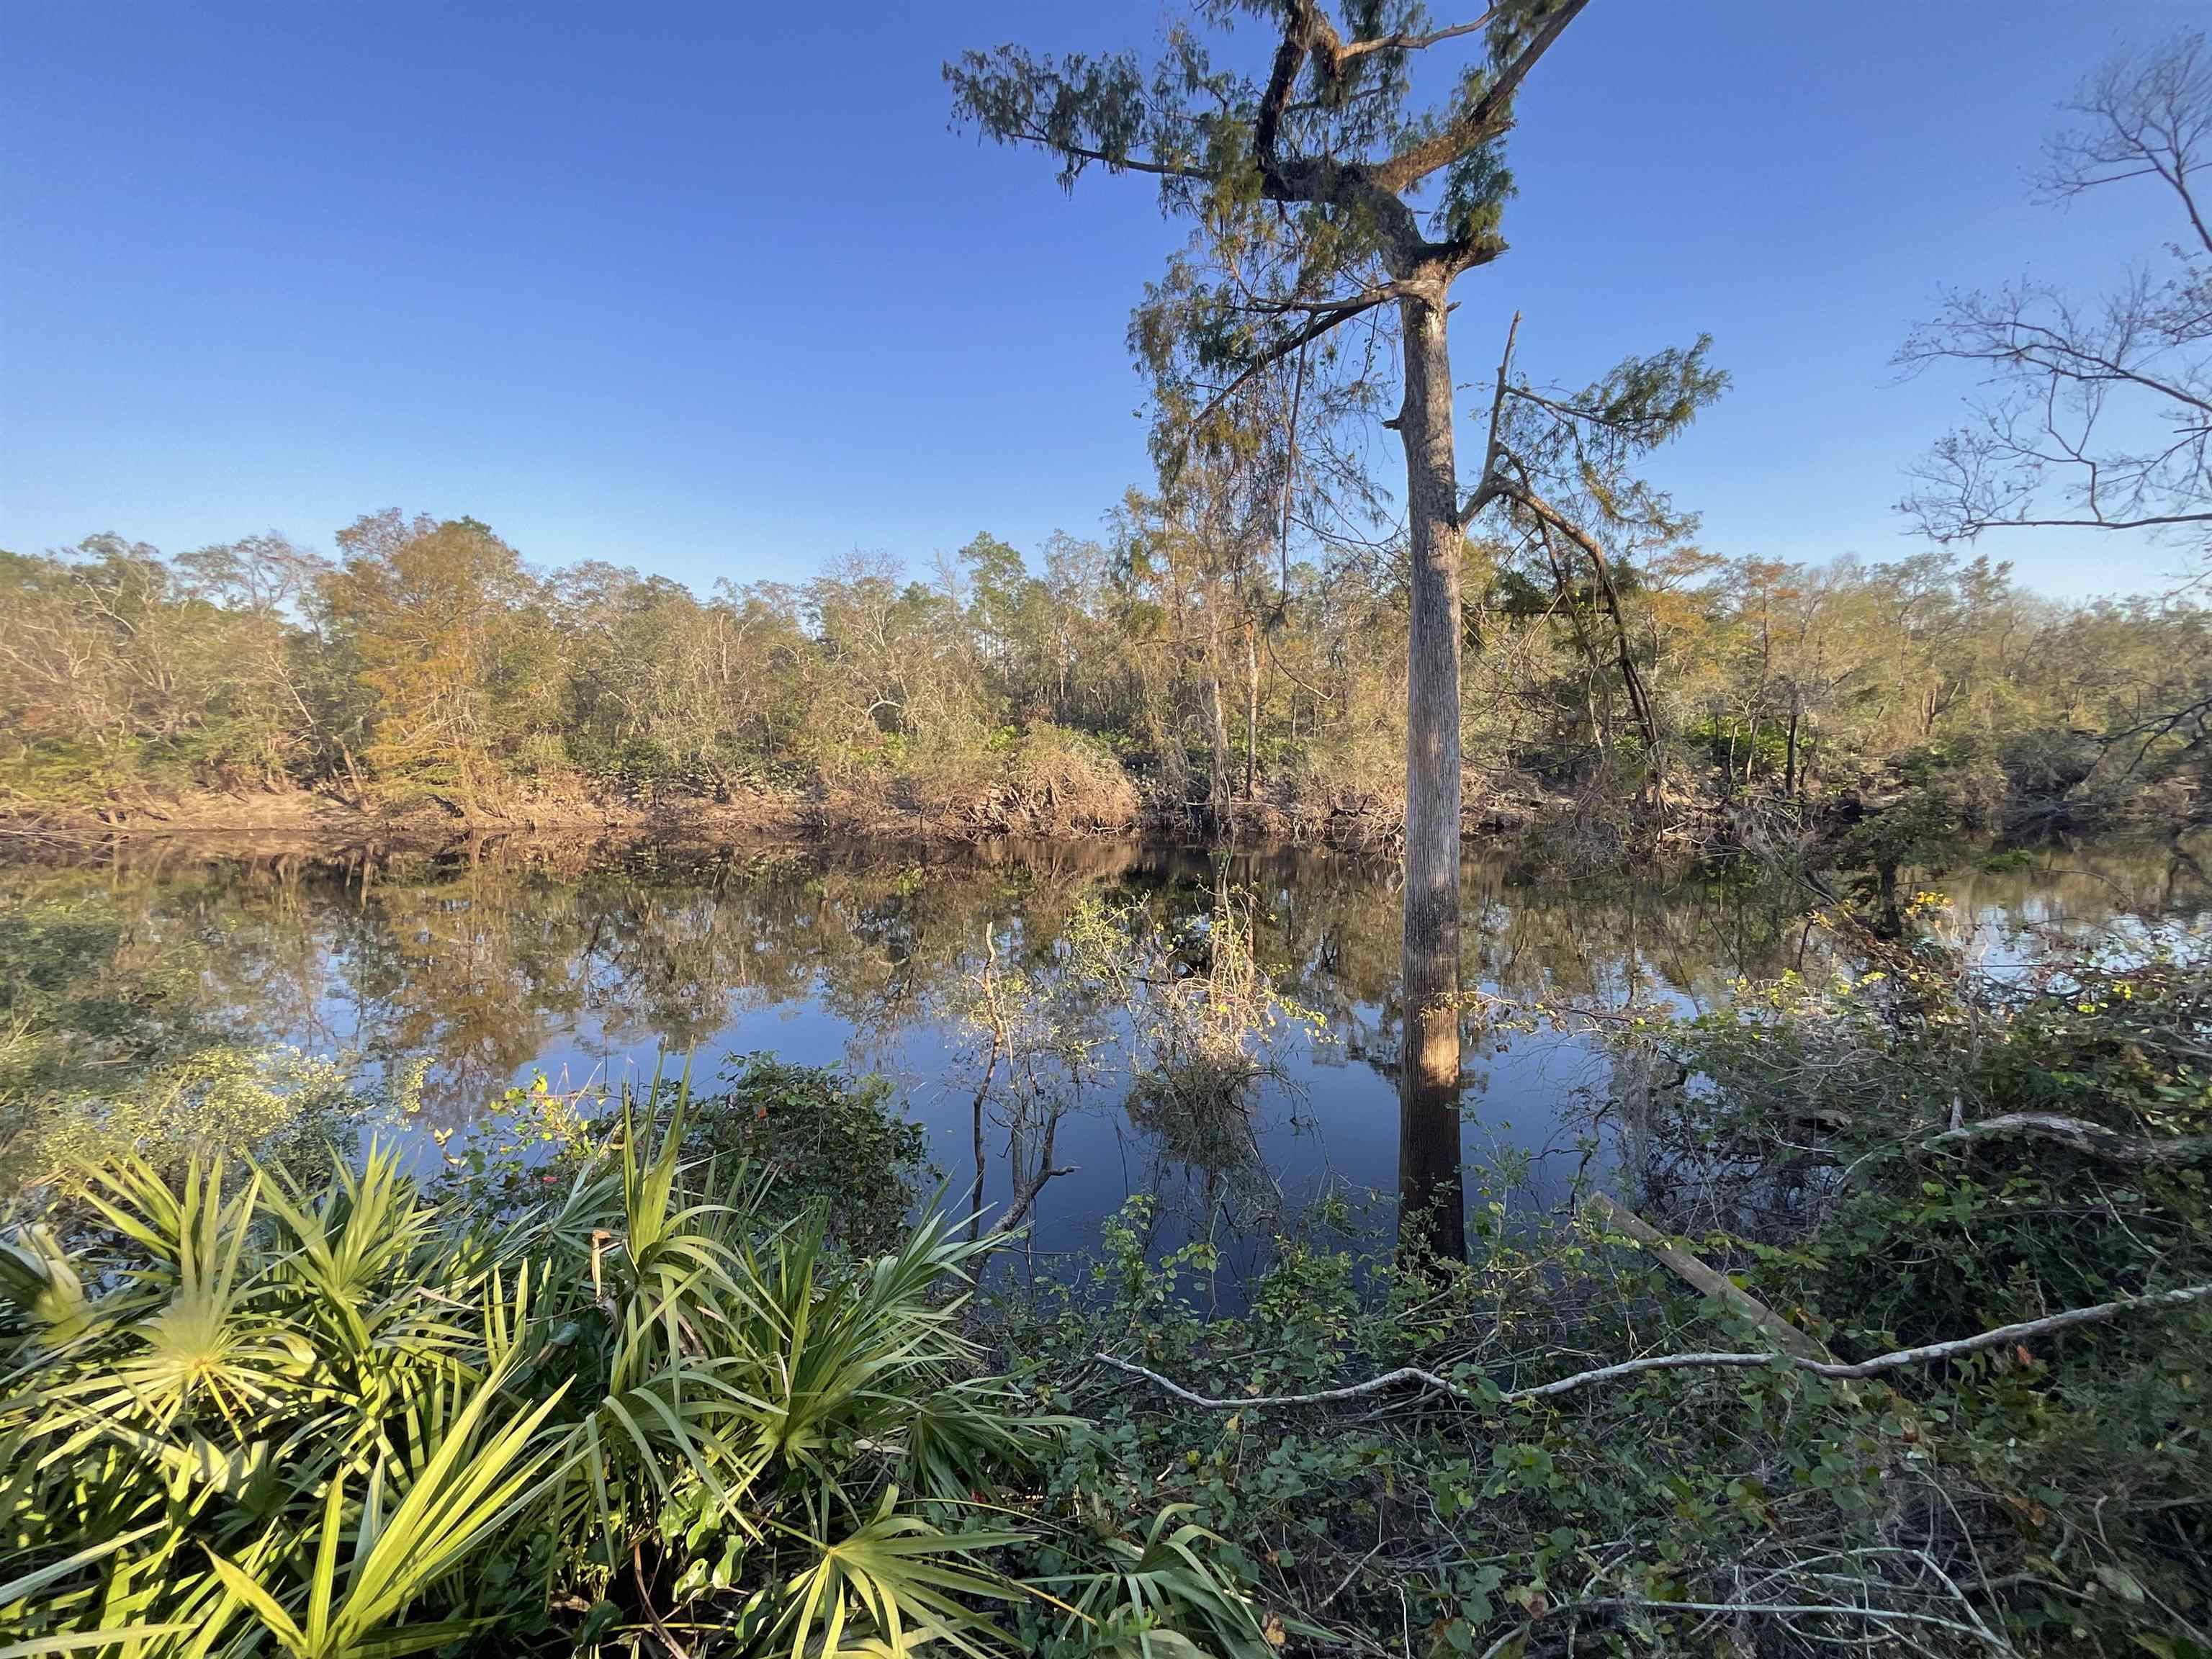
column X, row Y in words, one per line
column 357, row 1422
column 358, row 1236
column 47, row 1293
column 208, row 1341
column 966, row 1436
column 1164, row 1595
column 473, row 1481
column 894, row 1584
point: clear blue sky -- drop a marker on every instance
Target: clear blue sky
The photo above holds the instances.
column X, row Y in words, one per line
column 710, row 288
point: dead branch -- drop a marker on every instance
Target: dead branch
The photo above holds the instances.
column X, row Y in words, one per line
column 1018, row 1212
column 1705, row 1280
column 1927, row 1353
column 2093, row 1139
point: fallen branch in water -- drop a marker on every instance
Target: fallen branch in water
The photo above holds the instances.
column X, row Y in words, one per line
column 2102, row 1313
column 1018, row 1212
column 2082, row 1136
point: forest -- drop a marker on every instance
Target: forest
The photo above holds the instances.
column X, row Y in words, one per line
column 1157, row 677
column 1271, row 635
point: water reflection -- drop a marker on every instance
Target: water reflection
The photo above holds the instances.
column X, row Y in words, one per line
column 494, row 961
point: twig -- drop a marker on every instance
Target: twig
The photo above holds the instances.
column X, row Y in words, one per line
column 1345, row 1583
column 645, row 1596
column 2102, row 1313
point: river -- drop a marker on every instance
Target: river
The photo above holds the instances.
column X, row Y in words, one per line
column 496, row 962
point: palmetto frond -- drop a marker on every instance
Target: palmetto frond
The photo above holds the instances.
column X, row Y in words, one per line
column 1156, row 1592
column 357, row 1423
column 474, row 1479
column 893, row 1584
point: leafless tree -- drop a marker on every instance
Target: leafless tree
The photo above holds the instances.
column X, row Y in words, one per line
column 2095, row 412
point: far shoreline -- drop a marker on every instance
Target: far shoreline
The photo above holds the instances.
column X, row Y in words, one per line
column 321, row 825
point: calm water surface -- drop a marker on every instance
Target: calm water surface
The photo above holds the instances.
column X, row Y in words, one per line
column 501, row 962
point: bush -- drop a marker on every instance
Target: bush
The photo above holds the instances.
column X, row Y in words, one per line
column 2046, row 1496
column 351, row 1421
column 1059, row 782
column 822, row 1140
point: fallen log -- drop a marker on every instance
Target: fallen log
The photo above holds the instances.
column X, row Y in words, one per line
column 1706, row 1279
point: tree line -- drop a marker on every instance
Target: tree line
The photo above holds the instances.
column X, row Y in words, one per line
column 1160, row 672
column 1269, row 636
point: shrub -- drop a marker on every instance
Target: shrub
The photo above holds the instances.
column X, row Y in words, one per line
column 2046, row 1496
column 369, row 1425
column 352, row 1421
column 1059, row 782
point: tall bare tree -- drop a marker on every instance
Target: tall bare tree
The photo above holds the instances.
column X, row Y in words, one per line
column 1322, row 195
column 2098, row 412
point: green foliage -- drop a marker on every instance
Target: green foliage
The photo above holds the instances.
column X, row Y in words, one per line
column 823, row 1142
column 1898, row 1225
column 1929, row 1237
column 352, row 1420
column 369, row 1427
column 2048, row 1497
column 1294, row 182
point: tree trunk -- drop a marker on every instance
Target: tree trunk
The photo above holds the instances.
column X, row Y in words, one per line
column 1601, row 727
column 360, row 789
column 1167, row 742
column 1790, row 749
column 1217, row 726
column 1639, row 696
column 1251, row 714
column 1431, row 1199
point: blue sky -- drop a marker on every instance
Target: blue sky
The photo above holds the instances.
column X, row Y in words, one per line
column 712, row 290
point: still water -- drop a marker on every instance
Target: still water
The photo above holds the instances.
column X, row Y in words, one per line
column 496, row 962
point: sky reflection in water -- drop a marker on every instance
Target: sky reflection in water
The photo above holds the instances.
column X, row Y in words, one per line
column 508, row 960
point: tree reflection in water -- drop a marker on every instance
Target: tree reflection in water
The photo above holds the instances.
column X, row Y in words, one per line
column 495, row 959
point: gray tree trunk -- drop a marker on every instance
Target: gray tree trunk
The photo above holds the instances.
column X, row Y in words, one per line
column 1789, row 761
column 1251, row 714
column 1217, row 726
column 1432, row 1198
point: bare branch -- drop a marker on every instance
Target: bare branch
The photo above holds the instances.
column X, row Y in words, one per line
column 2070, row 438
column 2082, row 1136
column 2145, row 117
column 1327, row 317
column 1404, row 41
column 1927, row 1353
column 1483, row 119
column 1496, row 448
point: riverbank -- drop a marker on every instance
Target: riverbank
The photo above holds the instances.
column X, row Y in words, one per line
column 1936, row 1374
column 1352, row 824
column 1879, row 824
